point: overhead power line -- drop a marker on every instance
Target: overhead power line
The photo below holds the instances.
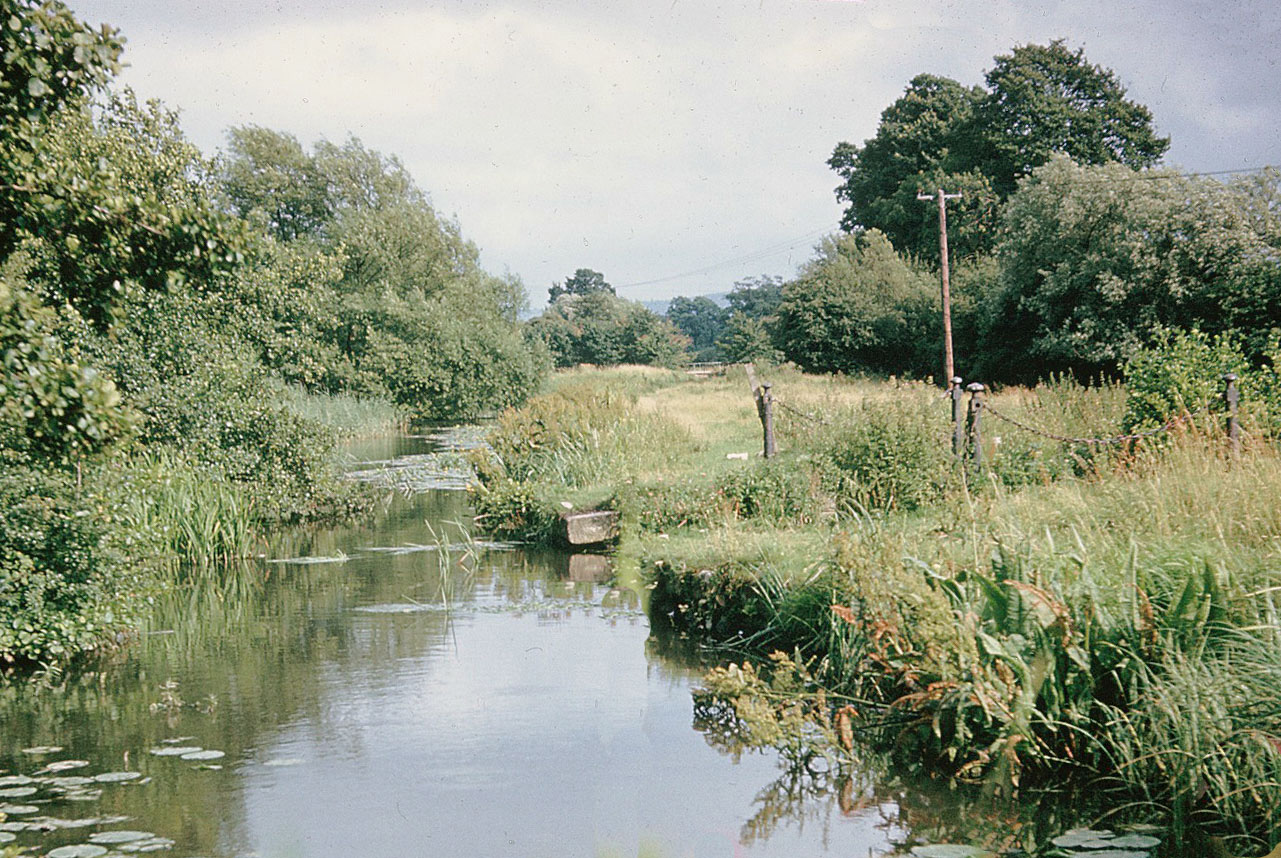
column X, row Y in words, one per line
column 753, row 256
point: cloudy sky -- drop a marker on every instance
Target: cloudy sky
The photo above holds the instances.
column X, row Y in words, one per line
column 674, row 145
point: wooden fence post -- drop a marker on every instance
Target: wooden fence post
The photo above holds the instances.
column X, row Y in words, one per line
column 1232, row 396
column 957, row 393
column 765, row 406
column 976, row 423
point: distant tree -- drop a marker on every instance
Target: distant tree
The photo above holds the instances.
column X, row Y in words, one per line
column 756, row 297
column 600, row 328
column 701, row 319
column 583, row 282
column 747, row 339
column 1040, row 99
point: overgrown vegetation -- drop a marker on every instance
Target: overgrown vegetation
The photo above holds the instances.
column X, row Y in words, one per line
column 1096, row 613
column 178, row 335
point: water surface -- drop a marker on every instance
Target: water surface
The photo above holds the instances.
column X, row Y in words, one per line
column 394, row 688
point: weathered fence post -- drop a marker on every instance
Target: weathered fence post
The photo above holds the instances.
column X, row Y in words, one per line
column 1232, row 396
column 976, row 423
column 765, row 406
column 957, row 393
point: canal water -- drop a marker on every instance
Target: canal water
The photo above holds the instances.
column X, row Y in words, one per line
column 401, row 688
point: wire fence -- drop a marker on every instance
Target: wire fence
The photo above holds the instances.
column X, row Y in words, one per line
column 1098, row 442
column 967, row 422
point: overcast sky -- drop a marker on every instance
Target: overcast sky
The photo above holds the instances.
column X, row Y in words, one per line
column 654, row 138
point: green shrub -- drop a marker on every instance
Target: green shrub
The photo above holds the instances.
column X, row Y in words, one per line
column 890, row 455
column 780, row 490
column 66, row 585
column 1182, row 371
column 514, row 510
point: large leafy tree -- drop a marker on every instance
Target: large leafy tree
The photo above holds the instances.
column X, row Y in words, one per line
column 1094, row 261
column 925, row 141
column 1039, row 100
column 1044, row 100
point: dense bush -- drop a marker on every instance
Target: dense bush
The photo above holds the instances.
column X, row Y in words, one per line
column 858, row 307
column 890, row 455
column 66, row 583
column 1183, row 372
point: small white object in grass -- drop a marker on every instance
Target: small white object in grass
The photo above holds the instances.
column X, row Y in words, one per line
column 567, row 504
column 742, row 456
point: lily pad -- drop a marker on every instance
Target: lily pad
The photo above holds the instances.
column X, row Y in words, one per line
column 122, row 836
column 18, row 809
column 204, row 755
column 176, row 750
column 13, row 826
column 1084, row 838
column 70, row 782
column 80, row 850
column 950, row 850
column 18, row 791
column 116, row 777
column 1134, row 841
column 1110, row 853
column 153, row 844
column 7, row 837
column 82, row 795
column 15, row 780
column 177, row 740
column 40, row 750
column 64, row 765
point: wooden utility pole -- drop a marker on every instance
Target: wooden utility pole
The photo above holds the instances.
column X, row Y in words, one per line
column 948, row 369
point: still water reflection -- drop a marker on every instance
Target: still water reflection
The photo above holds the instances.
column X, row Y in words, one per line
column 377, row 693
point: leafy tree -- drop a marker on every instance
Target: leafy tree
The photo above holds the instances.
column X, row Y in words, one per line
column 600, row 328
column 1044, row 100
column 583, row 282
column 756, row 297
column 923, row 142
column 858, row 307
column 269, row 175
column 1094, row 261
column 701, row 319
column 940, row 134
column 365, row 288
column 747, row 339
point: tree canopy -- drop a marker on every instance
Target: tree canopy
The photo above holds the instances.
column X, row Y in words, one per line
column 584, row 281
column 1039, row 100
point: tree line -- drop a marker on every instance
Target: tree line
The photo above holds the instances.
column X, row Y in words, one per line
column 1071, row 248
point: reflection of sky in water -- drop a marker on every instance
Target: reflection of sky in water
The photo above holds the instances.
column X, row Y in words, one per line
column 514, row 737
column 474, row 732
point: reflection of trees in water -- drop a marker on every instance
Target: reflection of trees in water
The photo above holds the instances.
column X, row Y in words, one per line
column 817, row 786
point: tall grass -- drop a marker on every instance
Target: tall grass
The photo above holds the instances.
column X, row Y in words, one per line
column 187, row 514
column 349, row 416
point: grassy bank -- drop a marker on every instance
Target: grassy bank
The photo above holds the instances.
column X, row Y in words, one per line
column 1105, row 613
column 85, row 551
